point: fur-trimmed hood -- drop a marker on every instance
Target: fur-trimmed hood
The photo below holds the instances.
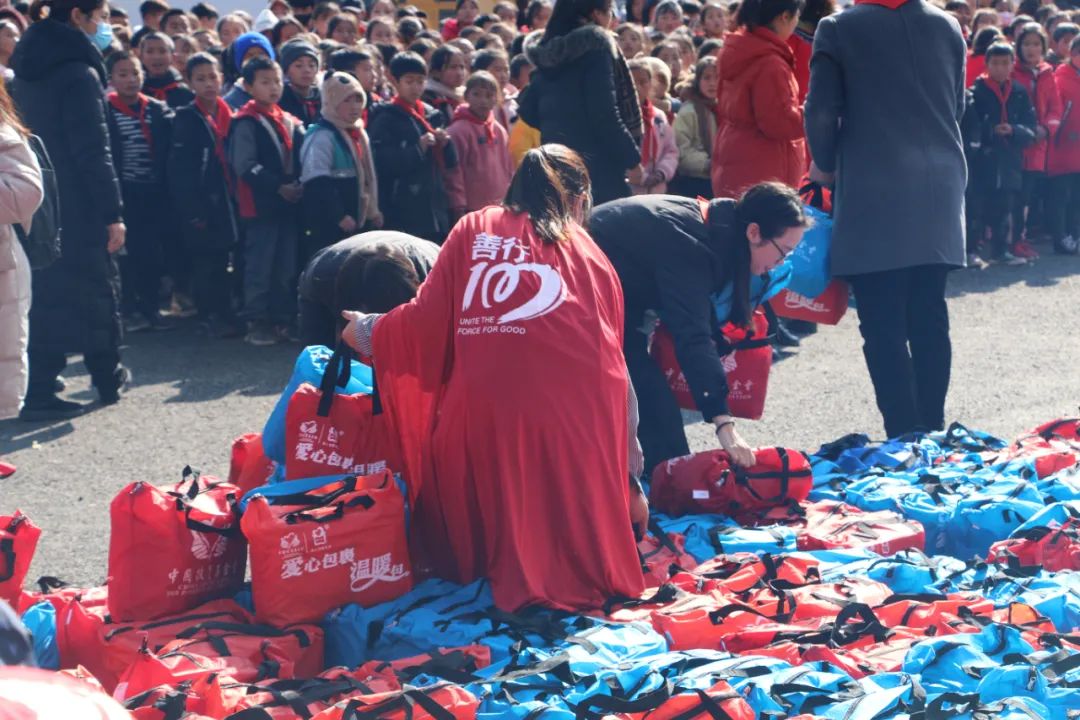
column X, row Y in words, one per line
column 567, row 48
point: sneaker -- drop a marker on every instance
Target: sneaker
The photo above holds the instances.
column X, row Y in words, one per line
column 1067, row 245
column 974, row 262
column 182, row 306
column 1024, row 250
column 1007, row 258
column 288, row 332
column 111, row 396
column 50, row 408
column 261, row 335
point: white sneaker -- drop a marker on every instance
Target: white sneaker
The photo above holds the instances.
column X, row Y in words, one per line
column 1007, row 258
column 974, row 262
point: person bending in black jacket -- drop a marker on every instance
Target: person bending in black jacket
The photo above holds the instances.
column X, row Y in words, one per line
column 411, row 151
column 139, row 135
column 671, row 260
column 999, row 123
column 199, row 184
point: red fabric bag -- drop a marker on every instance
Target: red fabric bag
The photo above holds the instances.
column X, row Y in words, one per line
column 173, row 549
column 18, row 541
column 1051, row 548
column 308, row 560
column 327, row 433
column 719, row 701
column 747, row 368
column 709, row 482
column 300, row 646
column 826, row 309
column 434, row 702
column 832, row 525
column 662, row 555
column 249, row 467
column 118, row 644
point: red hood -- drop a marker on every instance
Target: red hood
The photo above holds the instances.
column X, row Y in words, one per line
column 742, row 49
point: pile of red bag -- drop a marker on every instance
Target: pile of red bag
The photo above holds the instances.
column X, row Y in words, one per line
column 167, row 630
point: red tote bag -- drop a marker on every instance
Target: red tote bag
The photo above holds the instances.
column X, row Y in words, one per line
column 747, row 369
column 307, row 560
column 826, row 309
column 327, row 433
column 18, row 541
column 173, row 549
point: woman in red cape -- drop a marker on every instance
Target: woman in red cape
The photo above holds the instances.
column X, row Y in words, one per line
column 506, row 381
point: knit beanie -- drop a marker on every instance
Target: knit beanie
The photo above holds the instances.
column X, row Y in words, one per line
column 247, row 41
column 293, row 50
column 335, row 88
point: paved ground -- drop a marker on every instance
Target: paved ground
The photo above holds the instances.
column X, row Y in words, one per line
column 1017, row 351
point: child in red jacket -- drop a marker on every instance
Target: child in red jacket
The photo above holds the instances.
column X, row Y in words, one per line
column 1037, row 76
column 484, row 168
column 1063, row 163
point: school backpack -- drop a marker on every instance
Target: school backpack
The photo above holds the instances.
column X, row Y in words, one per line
column 173, row 548
column 709, row 482
column 41, row 242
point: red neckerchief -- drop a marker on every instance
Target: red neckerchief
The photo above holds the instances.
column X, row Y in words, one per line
column 354, row 135
column 219, row 122
column 649, row 141
column 275, row 115
column 416, row 112
column 123, row 107
column 373, row 99
column 488, row 125
column 1002, row 94
column 311, row 107
column 162, row 93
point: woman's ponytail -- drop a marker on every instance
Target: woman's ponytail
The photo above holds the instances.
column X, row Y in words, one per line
column 546, row 186
column 38, row 10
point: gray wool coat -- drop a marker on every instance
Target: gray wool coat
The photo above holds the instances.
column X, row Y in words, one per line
column 883, row 113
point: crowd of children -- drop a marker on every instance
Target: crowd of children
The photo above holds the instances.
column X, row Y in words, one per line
column 244, row 145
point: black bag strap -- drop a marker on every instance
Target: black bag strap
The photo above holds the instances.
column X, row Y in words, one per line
column 337, row 374
column 455, row 666
column 185, row 498
column 664, row 594
column 600, row 706
column 244, row 629
column 306, row 515
column 844, row 632
column 406, row 701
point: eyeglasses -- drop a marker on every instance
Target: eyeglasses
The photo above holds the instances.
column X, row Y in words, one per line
column 784, row 254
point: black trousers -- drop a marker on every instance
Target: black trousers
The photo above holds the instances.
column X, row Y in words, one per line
column 46, row 366
column 904, row 321
column 660, row 428
column 211, row 284
column 1064, row 213
column 142, row 265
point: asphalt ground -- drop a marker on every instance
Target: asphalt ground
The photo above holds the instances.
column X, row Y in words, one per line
column 1016, row 341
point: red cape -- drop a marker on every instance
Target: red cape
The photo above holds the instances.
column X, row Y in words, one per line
column 506, row 381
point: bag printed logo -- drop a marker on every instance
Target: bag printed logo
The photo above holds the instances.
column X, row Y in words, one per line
column 495, row 279
column 205, row 547
column 795, row 301
column 319, row 447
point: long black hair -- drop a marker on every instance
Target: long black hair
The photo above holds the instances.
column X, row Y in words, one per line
column 376, row 283
column 571, row 14
column 775, row 208
column 759, row 13
column 545, row 186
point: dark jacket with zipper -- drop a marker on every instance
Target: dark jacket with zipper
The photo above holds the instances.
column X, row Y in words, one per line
column 198, row 183
column 160, row 118
column 306, row 111
column 260, row 165
column 671, row 262
column 997, row 163
column 572, row 99
column 169, row 88
column 59, row 89
column 412, row 195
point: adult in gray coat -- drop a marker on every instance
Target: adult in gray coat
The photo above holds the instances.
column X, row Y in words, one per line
column 883, row 122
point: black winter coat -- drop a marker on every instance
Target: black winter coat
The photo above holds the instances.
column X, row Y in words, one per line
column 997, row 163
column 169, row 88
column 571, row 99
column 305, row 112
column 671, row 263
column 198, row 185
column 59, row 90
column 160, row 117
column 412, row 195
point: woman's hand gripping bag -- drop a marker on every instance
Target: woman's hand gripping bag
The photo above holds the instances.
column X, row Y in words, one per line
column 173, row 548
column 350, row 547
